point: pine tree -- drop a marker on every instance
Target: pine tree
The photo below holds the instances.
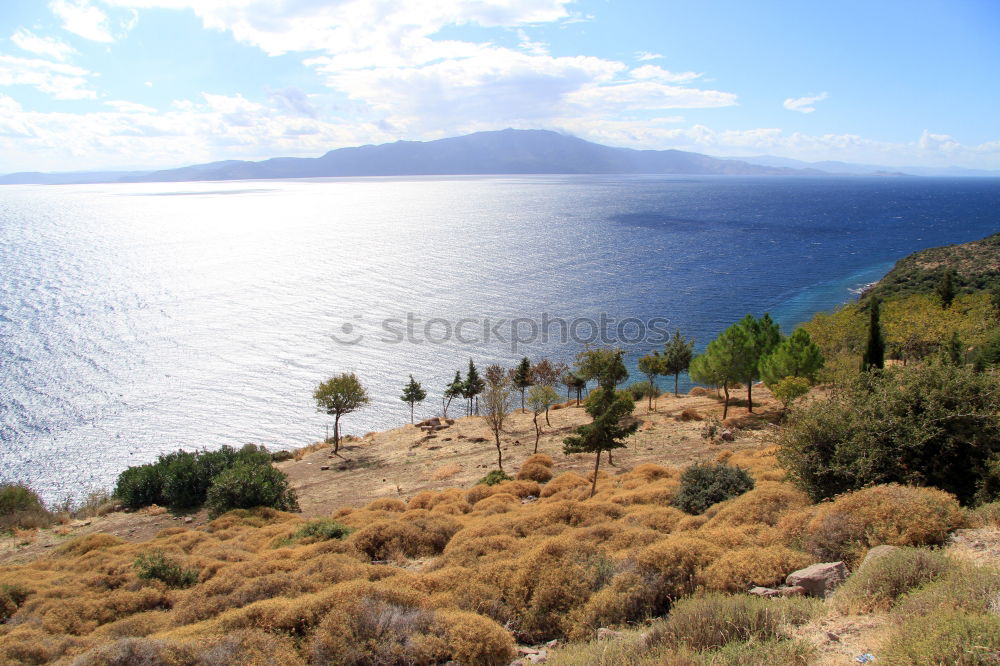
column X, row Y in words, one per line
column 522, row 377
column 795, row 356
column 455, row 389
column 874, row 356
column 575, row 382
column 677, row 355
column 473, row 386
column 727, row 360
column 955, row 353
column 764, row 335
column 946, row 288
column 651, row 365
column 607, row 407
column 413, row 393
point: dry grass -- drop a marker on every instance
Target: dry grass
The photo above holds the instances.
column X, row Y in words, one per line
column 446, row 472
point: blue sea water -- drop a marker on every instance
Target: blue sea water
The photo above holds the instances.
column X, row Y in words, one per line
column 137, row 319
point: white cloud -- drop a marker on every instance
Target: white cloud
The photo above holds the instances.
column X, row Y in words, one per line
column 44, row 46
column 804, row 104
column 129, row 107
column 640, row 95
column 643, row 56
column 57, row 79
column 659, row 74
column 83, row 19
column 528, row 45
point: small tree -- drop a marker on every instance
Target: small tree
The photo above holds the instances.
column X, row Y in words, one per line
column 954, row 354
column 795, row 356
column 790, row 389
column 473, row 386
column 726, row 361
column 651, row 365
column 677, row 355
column 456, row 389
column 545, row 373
column 874, row 356
column 413, row 393
column 574, row 382
column 522, row 377
column 763, row 335
column 338, row 396
column 946, row 288
column 540, row 398
column 608, row 430
column 497, row 398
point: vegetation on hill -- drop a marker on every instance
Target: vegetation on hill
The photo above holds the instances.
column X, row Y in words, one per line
column 975, row 266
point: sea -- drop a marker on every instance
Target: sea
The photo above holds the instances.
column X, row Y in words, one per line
column 138, row 319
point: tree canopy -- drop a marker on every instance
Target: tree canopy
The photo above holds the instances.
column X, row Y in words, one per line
column 337, row 396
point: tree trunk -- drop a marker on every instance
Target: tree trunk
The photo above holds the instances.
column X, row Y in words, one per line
column 547, row 417
column 538, row 432
column 522, row 399
column 499, row 451
column 725, row 405
column 579, row 392
column 411, row 413
column 336, row 435
column 750, row 396
column 597, row 466
column 676, row 379
column 649, row 405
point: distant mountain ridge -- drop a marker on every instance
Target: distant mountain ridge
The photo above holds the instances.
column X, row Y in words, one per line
column 848, row 168
column 507, row 151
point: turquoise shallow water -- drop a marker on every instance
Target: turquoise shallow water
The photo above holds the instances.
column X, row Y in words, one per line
column 136, row 319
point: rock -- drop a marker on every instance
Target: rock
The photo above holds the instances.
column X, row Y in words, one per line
column 875, row 553
column 431, row 422
column 727, row 435
column 832, row 637
column 537, row 658
column 188, row 519
column 476, row 440
column 794, row 591
column 521, row 649
column 819, row 580
column 605, row 634
column 324, row 467
column 553, row 644
column 764, row 591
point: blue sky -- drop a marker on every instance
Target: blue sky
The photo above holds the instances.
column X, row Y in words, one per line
column 91, row 84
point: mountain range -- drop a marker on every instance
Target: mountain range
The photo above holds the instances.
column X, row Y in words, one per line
column 507, row 151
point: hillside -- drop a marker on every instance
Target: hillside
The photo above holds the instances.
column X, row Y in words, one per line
column 976, row 264
column 501, row 152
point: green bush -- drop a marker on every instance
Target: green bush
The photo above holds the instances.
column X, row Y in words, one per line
column 20, row 506
column 716, row 620
column 705, row 485
column 249, row 485
column 927, row 426
column 313, row 531
column 180, row 480
column 967, row 587
column 953, row 637
column 494, row 477
column 156, row 565
column 880, row 583
column 11, row 598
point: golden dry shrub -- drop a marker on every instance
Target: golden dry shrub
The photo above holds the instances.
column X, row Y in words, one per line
column 138, row 625
column 87, row 543
column 478, row 493
column 739, row 570
column 660, row 518
column 446, row 471
column 690, row 523
column 519, row 488
column 376, row 623
column 533, row 471
column 888, row 514
column 673, row 565
column 741, row 536
column 690, row 414
column 626, row 541
column 494, row 504
column 540, row 459
column 763, row 505
column 650, row 472
column 628, row 598
column 547, row 582
column 563, row 482
column 129, row 651
column 387, row 504
column 428, row 499
column 660, row 492
column 229, row 525
column 473, row 639
column 698, row 391
column 249, row 648
column 417, row 533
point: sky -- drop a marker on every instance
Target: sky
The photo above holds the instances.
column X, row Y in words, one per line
column 123, row 84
